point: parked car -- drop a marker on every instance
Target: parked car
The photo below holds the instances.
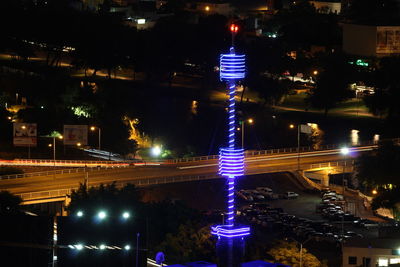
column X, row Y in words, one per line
column 245, row 195
column 273, row 196
column 366, row 223
column 290, row 195
column 255, row 194
column 259, row 206
column 266, row 191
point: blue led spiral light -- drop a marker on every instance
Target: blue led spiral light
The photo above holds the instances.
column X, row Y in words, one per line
column 231, row 159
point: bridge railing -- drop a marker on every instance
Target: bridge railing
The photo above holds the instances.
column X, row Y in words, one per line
column 347, row 163
column 250, row 153
column 147, row 181
column 55, row 172
column 70, row 162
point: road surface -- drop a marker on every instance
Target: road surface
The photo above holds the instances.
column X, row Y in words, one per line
column 254, row 165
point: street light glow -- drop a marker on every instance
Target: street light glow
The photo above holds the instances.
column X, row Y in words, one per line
column 291, row 126
column 374, row 192
column 344, row 150
column 102, row 215
column 127, row 247
column 126, row 215
column 79, row 246
column 92, row 128
column 250, row 120
column 156, row 151
column 79, row 213
column 102, row 246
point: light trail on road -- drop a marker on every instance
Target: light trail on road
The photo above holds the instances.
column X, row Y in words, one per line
column 254, row 165
column 288, row 156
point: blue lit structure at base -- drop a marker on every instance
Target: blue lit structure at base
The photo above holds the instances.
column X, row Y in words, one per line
column 230, row 245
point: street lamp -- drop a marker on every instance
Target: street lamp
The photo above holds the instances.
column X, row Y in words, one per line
column 125, row 215
column 301, row 251
column 54, row 136
column 92, row 128
column 344, row 151
column 301, row 248
column 102, row 215
column 156, row 151
column 137, row 249
column 292, row 126
column 249, row 121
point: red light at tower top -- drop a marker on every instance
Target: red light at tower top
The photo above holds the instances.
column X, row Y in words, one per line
column 234, row 28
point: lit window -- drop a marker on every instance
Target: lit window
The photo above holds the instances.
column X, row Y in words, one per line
column 383, row 262
column 394, row 261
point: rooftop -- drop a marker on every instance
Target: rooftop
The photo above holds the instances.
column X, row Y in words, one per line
column 373, row 243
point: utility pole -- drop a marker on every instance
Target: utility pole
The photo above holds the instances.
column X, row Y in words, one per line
column 298, row 147
column 137, row 249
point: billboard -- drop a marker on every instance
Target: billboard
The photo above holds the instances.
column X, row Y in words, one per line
column 24, row 134
column 74, row 134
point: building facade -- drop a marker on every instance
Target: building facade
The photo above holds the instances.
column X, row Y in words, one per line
column 210, row 7
column 327, row 7
column 371, row 40
column 371, row 252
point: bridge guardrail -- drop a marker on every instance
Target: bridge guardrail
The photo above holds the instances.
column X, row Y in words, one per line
column 263, row 152
column 172, row 179
column 62, row 171
column 50, row 161
column 277, row 151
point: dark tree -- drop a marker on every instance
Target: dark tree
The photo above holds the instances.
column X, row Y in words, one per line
column 380, row 167
column 385, row 101
column 270, row 89
column 9, row 203
column 332, row 86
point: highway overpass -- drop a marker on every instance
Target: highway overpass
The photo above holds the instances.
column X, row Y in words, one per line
column 55, row 186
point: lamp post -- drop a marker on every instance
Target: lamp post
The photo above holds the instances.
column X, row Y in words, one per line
column 54, row 146
column 344, row 151
column 137, row 249
column 250, row 121
column 301, row 251
column 99, row 133
column 292, row 126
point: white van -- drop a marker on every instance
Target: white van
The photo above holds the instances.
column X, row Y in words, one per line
column 291, row 195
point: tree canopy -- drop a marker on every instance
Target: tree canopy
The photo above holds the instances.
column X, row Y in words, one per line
column 332, row 86
column 288, row 253
column 380, row 167
column 379, row 170
column 9, row 203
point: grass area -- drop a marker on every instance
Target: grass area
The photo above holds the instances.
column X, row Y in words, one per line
column 351, row 107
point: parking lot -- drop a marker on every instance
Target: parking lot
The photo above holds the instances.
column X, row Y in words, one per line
column 295, row 218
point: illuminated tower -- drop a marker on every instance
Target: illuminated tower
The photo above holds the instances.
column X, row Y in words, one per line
column 231, row 163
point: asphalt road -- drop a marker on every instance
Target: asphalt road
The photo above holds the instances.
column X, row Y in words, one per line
column 254, row 165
